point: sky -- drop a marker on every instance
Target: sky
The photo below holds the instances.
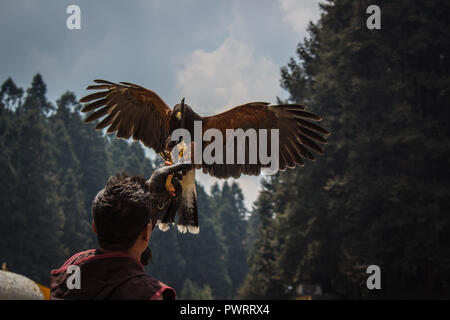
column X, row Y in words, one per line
column 216, row 54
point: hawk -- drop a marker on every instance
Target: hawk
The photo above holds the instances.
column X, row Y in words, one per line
column 132, row 111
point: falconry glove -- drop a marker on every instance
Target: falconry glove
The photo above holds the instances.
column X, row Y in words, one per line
column 165, row 192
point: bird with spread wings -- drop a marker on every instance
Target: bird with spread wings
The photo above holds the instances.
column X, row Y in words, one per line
column 132, row 111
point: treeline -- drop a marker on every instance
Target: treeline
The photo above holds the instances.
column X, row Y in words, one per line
column 380, row 195
column 52, row 165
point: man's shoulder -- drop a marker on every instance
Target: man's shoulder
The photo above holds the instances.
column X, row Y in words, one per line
column 144, row 287
column 75, row 259
column 113, row 276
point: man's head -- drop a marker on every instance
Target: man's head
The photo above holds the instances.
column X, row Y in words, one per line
column 128, row 208
column 121, row 213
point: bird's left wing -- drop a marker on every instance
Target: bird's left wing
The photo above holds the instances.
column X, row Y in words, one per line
column 131, row 111
column 299, row 136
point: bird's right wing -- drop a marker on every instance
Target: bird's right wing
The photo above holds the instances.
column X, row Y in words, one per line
column 131, row 111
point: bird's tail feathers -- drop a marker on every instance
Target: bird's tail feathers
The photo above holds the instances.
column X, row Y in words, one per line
column 188, row 214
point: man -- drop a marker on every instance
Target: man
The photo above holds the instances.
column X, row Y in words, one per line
column 124, row 215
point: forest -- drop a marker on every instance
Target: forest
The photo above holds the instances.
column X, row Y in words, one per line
column 379, row 196
column 53, row 165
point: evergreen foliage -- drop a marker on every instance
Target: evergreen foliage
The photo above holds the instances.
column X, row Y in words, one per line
column 52, row 165
column 380, row 195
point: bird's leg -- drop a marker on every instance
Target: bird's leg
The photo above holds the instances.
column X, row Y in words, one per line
column 166, row 155
column 169, row 185
column 183, row 148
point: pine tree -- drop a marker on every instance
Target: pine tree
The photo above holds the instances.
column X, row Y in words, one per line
column 8, row 174
column 263, row 279
column 378, row 195
column 129, row 157
column 36, row 96
column 91, row 151
column 206, row 262
column 192, row 291
column 10, row 95
column 36, row 218
column 77, row 227
column 232, row 215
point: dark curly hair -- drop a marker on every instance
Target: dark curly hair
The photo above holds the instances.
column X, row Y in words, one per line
column 121, row 211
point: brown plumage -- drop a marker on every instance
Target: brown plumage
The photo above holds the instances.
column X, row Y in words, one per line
column 132, row 111
column 136, row 112
column 298, row 135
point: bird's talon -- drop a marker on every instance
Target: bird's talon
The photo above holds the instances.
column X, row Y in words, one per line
column 169, row 186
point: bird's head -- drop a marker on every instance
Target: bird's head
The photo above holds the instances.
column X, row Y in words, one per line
column 178, row 116
column 183, row 117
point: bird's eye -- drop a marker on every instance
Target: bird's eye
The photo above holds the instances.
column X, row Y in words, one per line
column 178, row 115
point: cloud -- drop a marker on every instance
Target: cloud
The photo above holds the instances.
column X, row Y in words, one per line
column 226, row 54
column 298, row 13
column 228, row 76
column 245, row 66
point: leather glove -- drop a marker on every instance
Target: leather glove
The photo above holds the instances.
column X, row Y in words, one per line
column 165, row 191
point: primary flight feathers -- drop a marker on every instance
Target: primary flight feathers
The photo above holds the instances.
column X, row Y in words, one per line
column 133, row 111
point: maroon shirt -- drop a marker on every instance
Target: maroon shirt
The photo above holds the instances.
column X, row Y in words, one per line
column 112, row 276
